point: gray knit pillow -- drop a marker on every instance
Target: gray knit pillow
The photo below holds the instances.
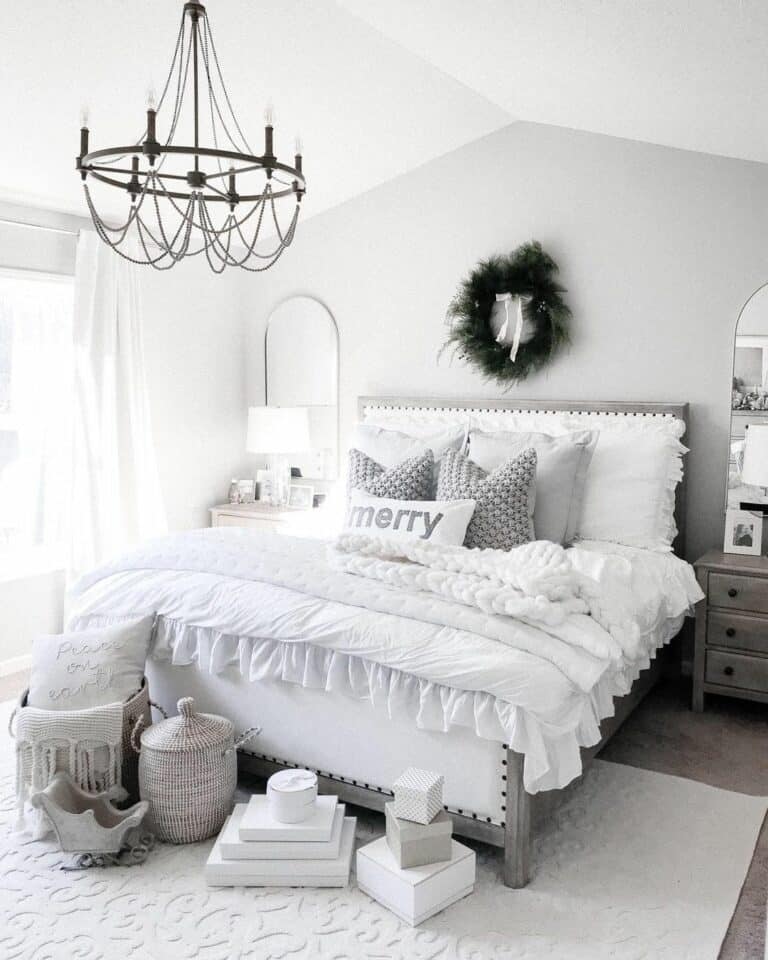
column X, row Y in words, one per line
column 505, row 498
column 409, row 480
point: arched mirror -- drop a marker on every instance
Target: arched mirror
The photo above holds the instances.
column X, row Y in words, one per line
column 301, row 369
column 747, row 461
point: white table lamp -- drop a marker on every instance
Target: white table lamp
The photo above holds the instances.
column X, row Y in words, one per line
column 278, row 431
column 754, row 473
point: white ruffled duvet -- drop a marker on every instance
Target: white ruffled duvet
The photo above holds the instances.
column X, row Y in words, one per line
column 528, row 647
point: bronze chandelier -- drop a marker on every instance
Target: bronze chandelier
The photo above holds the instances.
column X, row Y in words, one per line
column 175, row 212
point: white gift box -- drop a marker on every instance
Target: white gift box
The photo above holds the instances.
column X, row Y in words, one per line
column 418, row 795
column 414, row 844
column 292, row 795
column 416, row 893
column 220, row 872
column 257, row 822
column 233, row 848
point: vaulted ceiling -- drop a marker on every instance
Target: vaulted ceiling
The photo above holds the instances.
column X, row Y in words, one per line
column 378, row 87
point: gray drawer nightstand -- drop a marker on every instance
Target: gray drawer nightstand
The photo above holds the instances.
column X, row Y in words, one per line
column 731, row 655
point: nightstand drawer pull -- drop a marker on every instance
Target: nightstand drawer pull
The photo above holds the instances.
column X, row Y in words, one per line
column 730, row 632
column 733, row 592
column 728, row 671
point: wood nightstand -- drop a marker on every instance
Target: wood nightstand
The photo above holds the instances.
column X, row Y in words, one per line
column 256, row 516
column 731, row 655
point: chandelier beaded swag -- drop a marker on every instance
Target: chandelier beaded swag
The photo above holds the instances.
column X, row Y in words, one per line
column 175, row 212
column 508, row 316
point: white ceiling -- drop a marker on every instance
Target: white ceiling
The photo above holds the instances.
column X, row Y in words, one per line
column 377, row 87
column 684, row 73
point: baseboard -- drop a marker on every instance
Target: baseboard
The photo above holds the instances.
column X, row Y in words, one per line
column 15, row 665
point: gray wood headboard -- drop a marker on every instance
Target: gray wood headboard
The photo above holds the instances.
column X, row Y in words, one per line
column 369, row 405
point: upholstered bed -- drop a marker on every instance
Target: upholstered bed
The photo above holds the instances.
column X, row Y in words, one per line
column 358, row 678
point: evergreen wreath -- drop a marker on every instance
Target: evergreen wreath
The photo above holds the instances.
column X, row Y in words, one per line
column 526, row 272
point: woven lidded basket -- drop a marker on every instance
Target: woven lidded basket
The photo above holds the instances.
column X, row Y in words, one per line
column 188, row 772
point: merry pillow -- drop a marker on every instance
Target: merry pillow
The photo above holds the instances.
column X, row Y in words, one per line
column 438, row 521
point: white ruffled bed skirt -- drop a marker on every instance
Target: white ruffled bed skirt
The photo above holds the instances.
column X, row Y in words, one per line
column 552, row 758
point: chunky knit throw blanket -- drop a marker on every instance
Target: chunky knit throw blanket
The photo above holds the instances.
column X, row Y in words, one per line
column 87, row 744
column 537, row 582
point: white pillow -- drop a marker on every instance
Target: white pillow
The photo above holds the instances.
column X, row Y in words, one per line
column 438, row 521
column 390, row 446
column 89, row 668
column 629, row 494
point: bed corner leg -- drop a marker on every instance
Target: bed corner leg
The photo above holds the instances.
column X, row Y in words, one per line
column 517, row 827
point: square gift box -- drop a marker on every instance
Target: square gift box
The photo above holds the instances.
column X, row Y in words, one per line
column 418, row 892
column 415, row 844
column 418, row 795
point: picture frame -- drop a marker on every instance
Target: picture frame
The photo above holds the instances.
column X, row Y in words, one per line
column 750, row 373
column 301, row 496
column 247, row 489
column 744, row 533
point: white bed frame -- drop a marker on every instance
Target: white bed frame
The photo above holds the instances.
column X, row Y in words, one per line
column 508, row 823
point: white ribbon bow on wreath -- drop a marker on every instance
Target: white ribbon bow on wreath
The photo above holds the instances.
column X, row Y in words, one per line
column 501, row 337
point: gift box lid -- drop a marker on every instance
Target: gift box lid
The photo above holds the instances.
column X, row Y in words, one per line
column 408, row 831
column 258, row 823
column 292, row 781
column 378, row 854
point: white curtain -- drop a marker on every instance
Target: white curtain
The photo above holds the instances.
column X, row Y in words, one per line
column 116, row 499
column 35, row 381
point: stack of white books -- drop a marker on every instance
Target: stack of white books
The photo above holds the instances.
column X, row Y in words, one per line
column 254, row 849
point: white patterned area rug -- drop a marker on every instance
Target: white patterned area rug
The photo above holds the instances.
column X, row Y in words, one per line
column 641, row 866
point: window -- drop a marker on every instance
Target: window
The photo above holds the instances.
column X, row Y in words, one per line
column 35, row 411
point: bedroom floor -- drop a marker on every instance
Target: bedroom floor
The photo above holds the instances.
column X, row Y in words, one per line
column 722, row 747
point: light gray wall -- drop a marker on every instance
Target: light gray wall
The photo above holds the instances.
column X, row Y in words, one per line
column 193, row 345
column 659, row 249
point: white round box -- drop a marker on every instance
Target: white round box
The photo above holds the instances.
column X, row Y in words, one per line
column 291, row 795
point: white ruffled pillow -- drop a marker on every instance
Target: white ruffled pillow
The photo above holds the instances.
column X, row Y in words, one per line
column 629, row 494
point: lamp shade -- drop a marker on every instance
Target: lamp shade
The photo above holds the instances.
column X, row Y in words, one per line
column 277, row 430
column 755, row 470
